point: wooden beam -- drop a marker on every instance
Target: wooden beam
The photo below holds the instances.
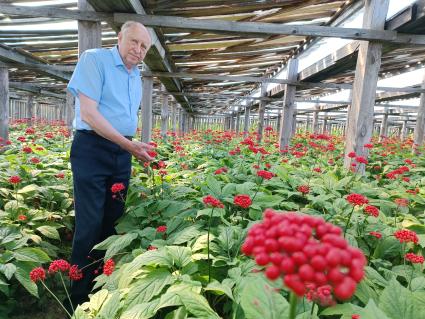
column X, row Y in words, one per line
column 35, row 89
column 8, row 54
column 360, row 123
column 147, row 109
column 4, row 105
column 250, row 29
column 254, row 79
column 288, row 106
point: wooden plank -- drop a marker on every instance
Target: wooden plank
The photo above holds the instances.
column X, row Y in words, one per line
column 164, row 114
column 254, row 79
column 8, row 54
column 259, row 28
column 419, row 131
column 147, row 109
column 288, row 106
column 4, row 105
column 360, row 123
column 261, row 110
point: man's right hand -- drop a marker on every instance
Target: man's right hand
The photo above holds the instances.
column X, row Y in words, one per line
column 140, row 150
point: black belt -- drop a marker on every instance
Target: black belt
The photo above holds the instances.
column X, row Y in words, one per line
column 91, row 132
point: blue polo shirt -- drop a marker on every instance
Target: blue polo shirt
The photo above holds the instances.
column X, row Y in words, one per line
column 101, row 75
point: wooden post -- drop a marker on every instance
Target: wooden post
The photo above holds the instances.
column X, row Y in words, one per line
column 288, row 105
column 294, row 125
column 246, row 120
column 307, row 124
column 261, row 111
column 164, row 113
column 237, row 120
column 316, row 119
column 325, row 124
column 89, row 32
column 404, row 130
column 360, row 122
column 383, row 132
column 173, row 116
column 30, row 108
column 147, row 109
column 4, row 105
column 418, row 135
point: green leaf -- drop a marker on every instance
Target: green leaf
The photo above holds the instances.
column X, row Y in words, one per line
column 345, row 309
column 144, row 289
column 115, row 243
column 49, row 232
column 97, row 300
column 417, row 283
column 184, row 235
column 110, row 307
column 397, row 302
column 387, row 248
column 259, row 300
column 31, row 254
column 8, row 270
column 150, row 258
column 28, row 189
column 22, row 274
column 220, row 289
column 141, row 311
column 181, row 256
column 214, row 186
column 197, row 305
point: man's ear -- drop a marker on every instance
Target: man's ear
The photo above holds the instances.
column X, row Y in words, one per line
column 119, row 36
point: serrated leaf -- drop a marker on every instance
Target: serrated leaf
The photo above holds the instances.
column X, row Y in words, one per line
column 181, row 256
column 28, row 189
column 119, row 244
column 22, row 274
column 144, row 289
column 197, row 305
column 97, row 300
column 219, row 288
column 397, row 302
column 184, row 235
column 110, row 307
column 141, row 311
column 31, row 254
column 259, row 300
column 49, row 231
column 8, row 270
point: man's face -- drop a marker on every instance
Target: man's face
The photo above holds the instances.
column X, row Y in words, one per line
column 133, row 45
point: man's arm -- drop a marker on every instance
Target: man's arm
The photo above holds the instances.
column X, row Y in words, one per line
column 91, row 115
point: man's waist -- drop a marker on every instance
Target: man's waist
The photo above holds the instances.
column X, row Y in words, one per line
column 91, row 132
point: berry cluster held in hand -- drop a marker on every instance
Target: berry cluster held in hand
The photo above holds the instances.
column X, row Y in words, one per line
column 308, row 253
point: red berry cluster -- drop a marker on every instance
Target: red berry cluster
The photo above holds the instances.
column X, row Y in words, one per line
column 357, row 199
column 14, row 179
column 108, row 267
column 265, row 174
column 361, row 159
column 414, row 259
column 242, row 200
column 161, row 229
column 221, row 171
column 371, row 210
column 39, row 274
column 212, row 201
column 402, row 202
column 310, row 254
column 117, row 187
column 59, row 265
column 406, row 236
column 305, row 189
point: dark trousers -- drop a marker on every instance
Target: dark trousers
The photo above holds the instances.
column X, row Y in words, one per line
column 97, row 164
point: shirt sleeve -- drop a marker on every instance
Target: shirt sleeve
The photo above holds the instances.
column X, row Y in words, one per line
column 87, row 77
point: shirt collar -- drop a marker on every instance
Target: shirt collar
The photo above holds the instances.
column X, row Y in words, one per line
column 118, row 61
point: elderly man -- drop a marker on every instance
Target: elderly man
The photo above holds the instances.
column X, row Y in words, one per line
column 107, row 86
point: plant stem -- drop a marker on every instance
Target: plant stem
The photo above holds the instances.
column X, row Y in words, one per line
column 208, row 245
column 66, row 291
column 293, row 305
column 56, row 298
column 312, row 310
column 348, row 222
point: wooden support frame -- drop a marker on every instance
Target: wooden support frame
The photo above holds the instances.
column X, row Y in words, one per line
column 4, row 105
column 147, row 109
column 359, row 126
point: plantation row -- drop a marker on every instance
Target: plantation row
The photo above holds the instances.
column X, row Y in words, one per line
column 204, row 236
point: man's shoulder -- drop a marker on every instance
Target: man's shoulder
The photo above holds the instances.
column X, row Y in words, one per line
column 98, row 52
